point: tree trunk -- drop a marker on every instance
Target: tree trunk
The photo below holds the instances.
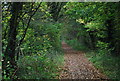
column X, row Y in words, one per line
column 11, row 46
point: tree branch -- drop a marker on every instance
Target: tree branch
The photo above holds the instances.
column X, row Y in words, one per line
column 28, row 24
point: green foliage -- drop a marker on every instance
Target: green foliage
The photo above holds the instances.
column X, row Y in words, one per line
column 106, row 63
column 97, row 30
column 45, row 66
column 54, row 32
column 82, row 25
column 98, row 24
column 102, row 45
column 56, row 56
column 43, row 38
column 11, row 73
column 36, row 35
column 76, row 45
column 40, row 58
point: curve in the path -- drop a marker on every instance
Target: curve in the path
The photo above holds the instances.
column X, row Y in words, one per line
column 77, row 66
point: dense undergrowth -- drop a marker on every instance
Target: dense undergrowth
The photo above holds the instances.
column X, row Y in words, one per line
column 42, row 54
column 105, row 63
column 46, row 66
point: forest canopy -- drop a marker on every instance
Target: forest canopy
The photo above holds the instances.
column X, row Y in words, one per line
column 32, row 33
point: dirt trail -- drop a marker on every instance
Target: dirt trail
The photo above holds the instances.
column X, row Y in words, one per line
column 77, row 66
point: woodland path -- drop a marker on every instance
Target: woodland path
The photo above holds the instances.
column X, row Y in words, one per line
column 77, row 66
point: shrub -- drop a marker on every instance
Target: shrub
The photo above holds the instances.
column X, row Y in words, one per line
column 37, row 67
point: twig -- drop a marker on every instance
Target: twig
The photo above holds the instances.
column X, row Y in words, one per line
column 14, row 73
